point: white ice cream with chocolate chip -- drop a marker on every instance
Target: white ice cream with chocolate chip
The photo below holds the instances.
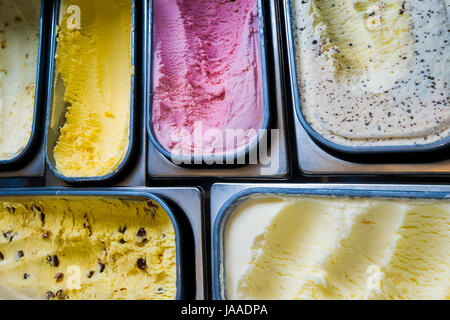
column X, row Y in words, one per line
column 374, row 73
column 19, row 45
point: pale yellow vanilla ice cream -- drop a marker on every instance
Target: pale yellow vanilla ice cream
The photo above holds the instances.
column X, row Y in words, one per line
column 93, row 60
column 374, row 72
column 63, row 248
column 19, row 46
column 294, row 247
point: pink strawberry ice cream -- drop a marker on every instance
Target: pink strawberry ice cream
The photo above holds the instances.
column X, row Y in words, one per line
column 207, row 76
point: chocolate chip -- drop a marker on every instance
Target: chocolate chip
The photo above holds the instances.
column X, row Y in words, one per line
column 43, row 218
column 60, row 294
column 90, row 274
column 140, row 236
column 9, row 235
column 102, row 266
column 11, row 209
column 46, row 235
column 142, row 264
column 122, row 241
column 160, row 291
column 50, row 295
column 26, row 276
column 59, row 276
column 122, row 229
column 53, row 260
column 151, row 204
column 141, row 233
column 20, row 254
column 2, row 257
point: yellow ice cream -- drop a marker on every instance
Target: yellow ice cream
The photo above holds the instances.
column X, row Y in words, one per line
column 94, row 63
column 338, row 248
column 86, row 248
column 19, row 46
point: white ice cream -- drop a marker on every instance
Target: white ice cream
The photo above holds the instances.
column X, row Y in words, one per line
column 19, row 45
column 374, row 72
column 337, row 248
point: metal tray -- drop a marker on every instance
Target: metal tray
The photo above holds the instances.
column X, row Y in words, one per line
column 315, row 161
column 194, row 159
column 184, row 235
column 226, row 197
column 56, row 108
column 319, row 138
column 16, row 164
column 159, row 165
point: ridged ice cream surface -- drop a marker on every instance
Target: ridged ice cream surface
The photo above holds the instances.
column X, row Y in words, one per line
column 19, row 46
column 94, row 64
column 295, row 247
column 74, row 248
column 206, row 75
column 374, row 72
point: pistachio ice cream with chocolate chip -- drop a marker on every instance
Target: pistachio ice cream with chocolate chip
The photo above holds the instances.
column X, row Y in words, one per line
column 63, row 248
column 373, row 72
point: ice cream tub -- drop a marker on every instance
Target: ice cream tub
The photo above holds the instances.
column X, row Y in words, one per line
column 380, row 117
column 138, row 254
column 330, row 241
column 206, row 79
column 22, row 59
column 90, row 131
